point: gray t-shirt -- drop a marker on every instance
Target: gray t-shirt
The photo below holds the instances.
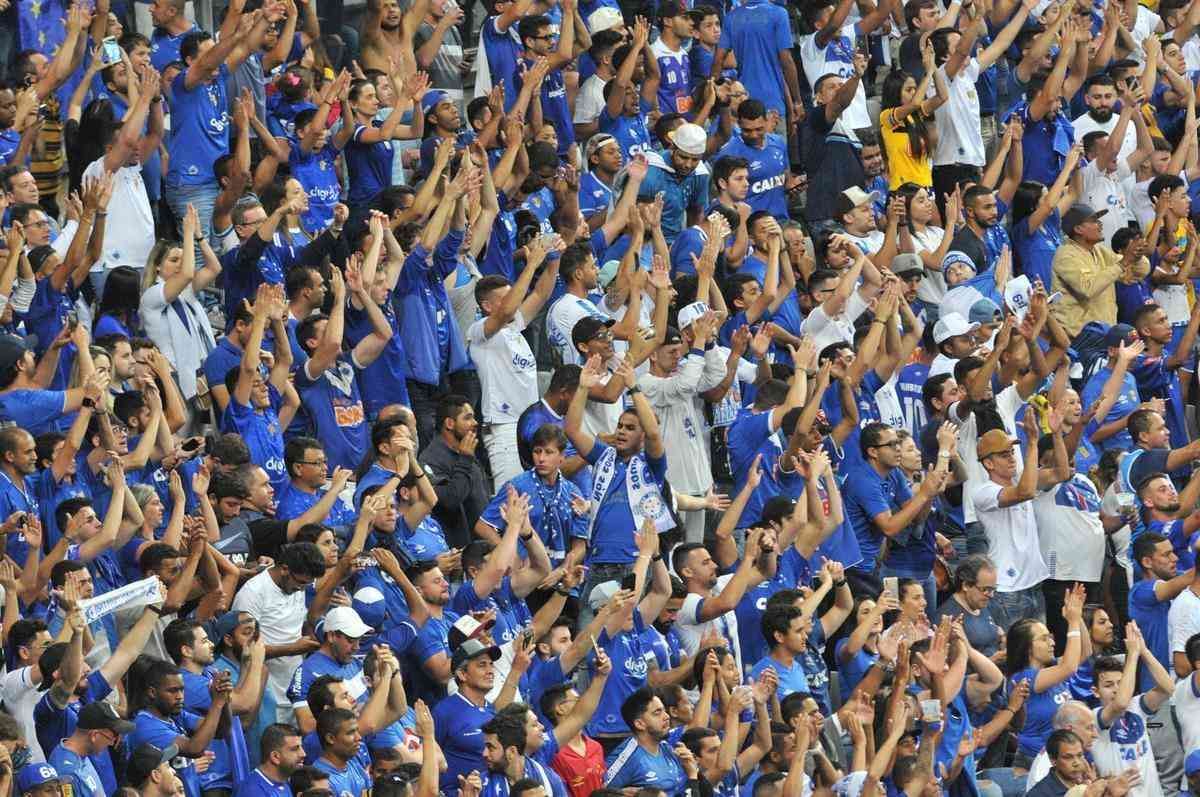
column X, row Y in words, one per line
column 445, row 72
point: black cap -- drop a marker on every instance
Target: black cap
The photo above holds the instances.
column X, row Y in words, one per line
column 38, row 255
column 672, row 337
column 101, row 716
column 12, row 349
column 147, row 758
column 472, row 649
column 589, row 327
column 1078, row 214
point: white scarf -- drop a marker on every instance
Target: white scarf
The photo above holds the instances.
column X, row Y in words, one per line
column 645, row 499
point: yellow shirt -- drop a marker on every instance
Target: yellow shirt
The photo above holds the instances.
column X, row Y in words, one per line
column 902, row 166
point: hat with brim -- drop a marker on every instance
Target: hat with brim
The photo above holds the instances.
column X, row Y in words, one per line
column 30, row 776
column 996, row 441
column 101, row 716
column 145, row 759
column 690, row 139
column 432, row 99
column 1079, row 213
column 472, row 649
column 952, row 325
column 589, row 327
column 907, row 266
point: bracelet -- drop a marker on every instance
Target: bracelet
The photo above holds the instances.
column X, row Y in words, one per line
column 566, row 593
column 656, row 557
column 526, row 537
column 878, row 321
column 1072, row 634
column 633, row 390
column 839, row 584
column 156, row 609
column 101, row 212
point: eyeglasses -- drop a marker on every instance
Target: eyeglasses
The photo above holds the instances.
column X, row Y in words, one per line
column 889, row 444
column 603, row 336
column 984, row 590
column 42, row 223
column 320, row 463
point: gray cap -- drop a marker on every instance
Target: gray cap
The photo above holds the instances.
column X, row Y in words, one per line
column 908, row 263
column 602, row 594
column 472, row 649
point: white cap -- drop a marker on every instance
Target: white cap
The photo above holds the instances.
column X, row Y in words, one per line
column 346, row 621
column 605, row 18
column 856, row 196
column 691, row 139
column 689, row 314
column 951, row 325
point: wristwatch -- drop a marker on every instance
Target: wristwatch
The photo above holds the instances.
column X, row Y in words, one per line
column 89, row 402
column 632, row 389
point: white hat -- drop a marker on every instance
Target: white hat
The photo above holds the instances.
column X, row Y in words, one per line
column 691, row 139
column 602, row 594
column 856, row 196
column 951, row 325
column 604, row 18
column 689, row 314
column 346, row 621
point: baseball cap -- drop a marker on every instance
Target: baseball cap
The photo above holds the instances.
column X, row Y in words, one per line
column 12, row 349
column 431, row 100
column 602, row 594
column 587, row 328
column 346, row 621
column 472, row 649
column 31, row 776
column 224, row 625
column 38, row 256
column 996, row 441
column 690, row 313
column 1191, row 765
column 691, row 139
column 1078, row 214
column 101, row 716
column 951, row 325
column 854, row 196
column 370, row 605
column 467, row 627
column 608, row 272
column 595, row 144
column 984, row 311
column 604, row 18
column 147, row 758
column 672, row 337
column 906, row 264
column 1118, row 334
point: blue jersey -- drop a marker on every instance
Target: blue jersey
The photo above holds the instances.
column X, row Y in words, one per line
column 292, row 502
column 316, row 174
column 458, row 724
column 259, row 785
column 768, row 172
column 164, row 48
column 502, row 49
column 369, row 166
column 1155, row 380
column 681, row 193
column 76, row 771
column 631, row 132
column 756, row 33
column 630, row 765
column 594, row 196
column 1151, row 616
column 162, row 732
column 349, row 781
column 868, row 495
column 550, row 512
column 554, row 103
column 261, row 431
column 749, row 436
column 221, row 773
column 612, row 540
column 10, row 139
column 55, row 724
column 512, row 614
column 1040, row 708
column 629, row 670
column 1128, row 400
column 20, row 499
column 335, row 404
column 317, row 664
column 908, row 389
column 427, row 541
column 199, row 130
column 383, row 381
column 792, row 678
column 750, row 608
column 675, row 86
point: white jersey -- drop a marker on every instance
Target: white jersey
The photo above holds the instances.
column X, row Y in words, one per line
column 680, row 412
column 837, row 58
column 691, row 630
column 507, row 369
column 959, row 136
column 1070, row 532
column 561, row 319
column 1187, row 709
column 1125, row 744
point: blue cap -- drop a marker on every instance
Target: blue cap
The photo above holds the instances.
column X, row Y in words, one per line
column 1118, row 334
column 33, row 775
column 1191, row 764
column 984, row 311
column 431, row 99
column 371, row 606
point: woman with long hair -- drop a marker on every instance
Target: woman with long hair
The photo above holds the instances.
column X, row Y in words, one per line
column 1037, row 220
column 923, row 237
column 118, row 310
column 1031, row 658
column 172, row 314
column 287, row 189
column 369, row 158
column 906, row 122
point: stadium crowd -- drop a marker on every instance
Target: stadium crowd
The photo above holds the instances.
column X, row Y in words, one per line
column 599, row 398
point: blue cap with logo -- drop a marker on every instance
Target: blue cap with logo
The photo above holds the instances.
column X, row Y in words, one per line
column 31, row 776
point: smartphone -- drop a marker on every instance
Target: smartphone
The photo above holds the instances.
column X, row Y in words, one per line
column 931, row 710
column 891, row 585
column 110, row 51
column 191, row 444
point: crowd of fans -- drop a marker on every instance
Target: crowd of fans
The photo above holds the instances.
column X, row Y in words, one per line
column 586, row 398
